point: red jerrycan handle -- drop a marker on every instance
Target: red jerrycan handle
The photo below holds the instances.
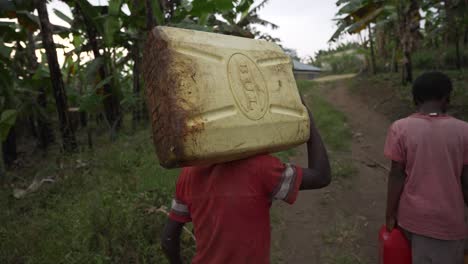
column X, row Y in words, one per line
column 394, row 247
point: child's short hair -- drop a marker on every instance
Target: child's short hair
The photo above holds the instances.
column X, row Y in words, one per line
column 431, row 86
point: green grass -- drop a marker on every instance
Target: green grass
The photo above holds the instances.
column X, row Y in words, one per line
column 383, row 82
column 331, row 123
column 344, row 259
column 99, row 210
column 102, row 206
column 285, row 155
column 333, row 127
column 343, row 168
column 340, row 239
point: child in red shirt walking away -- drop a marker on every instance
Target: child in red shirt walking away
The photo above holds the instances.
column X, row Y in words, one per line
column 428, row 182
column 229, row 204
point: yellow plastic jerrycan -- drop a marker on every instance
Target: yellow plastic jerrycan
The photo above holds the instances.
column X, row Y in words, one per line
column 215, row 98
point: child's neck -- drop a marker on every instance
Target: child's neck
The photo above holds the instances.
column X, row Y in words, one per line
column 431, row 107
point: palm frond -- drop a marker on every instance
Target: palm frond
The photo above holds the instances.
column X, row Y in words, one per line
column 255, row 19
column 341, row 28
column 365, row 21
column 259, row 6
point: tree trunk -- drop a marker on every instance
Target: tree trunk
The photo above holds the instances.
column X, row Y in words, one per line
column 45, row 133
column 457, row 49
column 2, row 168
column 408, row 71
column 111, row 103
column 32, row 127
column 407, row 32
column 394, row 59
column 372, row 53
column 150, row 24
column 150, row 21
column 89, row 133
column 453, row 31
column 465, row 39
column 83, row 119
column 136, row 83
column 68, row 136
column 9, row 148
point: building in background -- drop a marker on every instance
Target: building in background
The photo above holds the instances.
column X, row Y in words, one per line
column 304, row 71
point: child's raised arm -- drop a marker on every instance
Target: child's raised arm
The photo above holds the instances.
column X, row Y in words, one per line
column 318, row 173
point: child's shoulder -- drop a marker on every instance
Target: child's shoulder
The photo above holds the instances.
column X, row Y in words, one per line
column 462, row 126
column 260, row 160
column 417, row 121
column 460, row 122
column 403, row 122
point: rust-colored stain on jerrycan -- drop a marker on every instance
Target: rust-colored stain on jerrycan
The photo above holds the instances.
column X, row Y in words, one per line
column 215, row 98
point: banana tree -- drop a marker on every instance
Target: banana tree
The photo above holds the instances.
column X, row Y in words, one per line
column 143, row 18
column 446, row 22
column 186, row 14
column 7, row 101
column 240, row 19
column 37, row 80
column 118, row 32
column 23, row 63
column 434, row 23
column 408, row 32
column 357, row 15
column 7, row 122
column 456, row 15
column 68, row 135
column 102, row 25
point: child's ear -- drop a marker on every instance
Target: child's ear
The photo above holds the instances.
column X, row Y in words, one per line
column 445, row 103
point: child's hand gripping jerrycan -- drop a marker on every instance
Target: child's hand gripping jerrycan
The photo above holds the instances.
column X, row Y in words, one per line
column 394, row 247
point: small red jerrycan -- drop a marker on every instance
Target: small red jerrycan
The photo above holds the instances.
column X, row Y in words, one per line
column 394, row 247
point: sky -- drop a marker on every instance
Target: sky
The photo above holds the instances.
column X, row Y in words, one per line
column 304, row 25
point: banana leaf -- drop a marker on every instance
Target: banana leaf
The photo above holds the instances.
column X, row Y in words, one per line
column 363, row 22
column 7, row 121
column 62, row 16
column 115, row 7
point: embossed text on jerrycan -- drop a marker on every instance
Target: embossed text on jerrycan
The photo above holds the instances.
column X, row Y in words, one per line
column 214, row 98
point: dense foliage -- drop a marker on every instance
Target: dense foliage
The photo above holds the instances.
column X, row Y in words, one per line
column 46, row 101
column 425, row 34
column 71, row 123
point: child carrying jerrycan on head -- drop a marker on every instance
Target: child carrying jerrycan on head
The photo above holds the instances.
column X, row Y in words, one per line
column 221, row 131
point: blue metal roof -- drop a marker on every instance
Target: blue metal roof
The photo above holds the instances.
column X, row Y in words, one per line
column 299, row 66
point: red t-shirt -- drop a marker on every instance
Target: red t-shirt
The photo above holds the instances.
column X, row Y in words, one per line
column 229, row 206
column 434, row 150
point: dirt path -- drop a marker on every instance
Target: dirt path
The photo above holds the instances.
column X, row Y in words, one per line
column 331, row 78
column 339, row 224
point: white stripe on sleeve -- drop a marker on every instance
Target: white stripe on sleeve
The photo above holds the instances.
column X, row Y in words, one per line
column 179, row 207
column 288, row 179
